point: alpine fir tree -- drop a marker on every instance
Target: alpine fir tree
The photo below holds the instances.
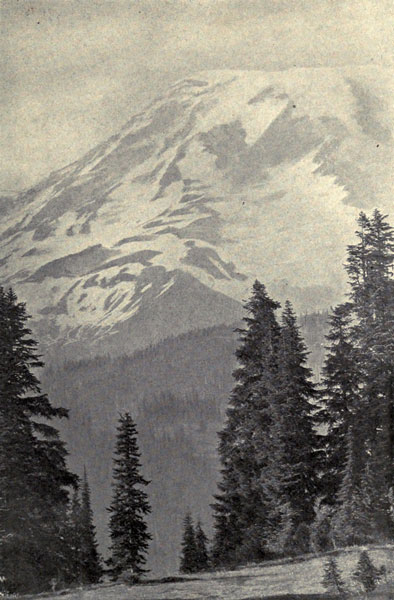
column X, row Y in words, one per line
column 128, row 528
column 189, row 557
column 91, row 570
column 359, row 382
column 340, row 384
column 269, row 447
column 74, row 536
column 34, row 478
column 376, row 342
column 296, row 400
column 366, row 573
column 352, row 523
column 332, row 580
column 241, row 511
column 202, row 556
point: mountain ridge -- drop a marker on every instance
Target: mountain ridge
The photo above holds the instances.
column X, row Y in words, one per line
column 227, row 177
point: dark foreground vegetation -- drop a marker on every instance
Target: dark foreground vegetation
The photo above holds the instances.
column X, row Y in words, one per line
column 304, row 468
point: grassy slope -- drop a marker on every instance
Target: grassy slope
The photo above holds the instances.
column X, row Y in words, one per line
column 298, row 579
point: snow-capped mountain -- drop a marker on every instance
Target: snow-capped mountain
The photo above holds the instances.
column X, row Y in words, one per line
column 227, row 177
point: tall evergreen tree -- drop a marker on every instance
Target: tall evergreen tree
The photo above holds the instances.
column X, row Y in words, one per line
column 34, row 478
column 128, row 528
column 90, row 559
column 340, row 385
column 370, row 269
column 269, row 447
column 202, row 556
column 290, row 477
column 189, row 557
column 241, row 510
column 74, row 536
column 297, row 398
column 352, row 523
column 376, row 342
column 359, row 393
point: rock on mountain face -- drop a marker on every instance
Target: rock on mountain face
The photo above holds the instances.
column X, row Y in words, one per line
column 228, row 177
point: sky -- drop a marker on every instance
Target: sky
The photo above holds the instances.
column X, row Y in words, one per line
column 73, row 71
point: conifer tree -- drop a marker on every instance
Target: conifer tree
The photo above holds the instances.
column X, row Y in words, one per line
column 340, row 385
column 375, row 339
column 74, row 536
column 90, row 559
column 128, row 528
column 368, row 404
column 332, row 580
column 241, row 511
column 269, row 447
column 289, row 476
column 202, row 556
column 352, row 523
column 366, row 573
column 297, row 400
column 227, row 525
column 189, row 556
column 370, row 269
column 34, row 478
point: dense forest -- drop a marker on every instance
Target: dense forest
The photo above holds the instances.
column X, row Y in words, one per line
column 303, row 461
column 279, row 471
column 47, row 535
column 177, row 392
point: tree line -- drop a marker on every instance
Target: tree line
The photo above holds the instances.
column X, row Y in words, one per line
column 47, row 534
column 303, row 466
column 307, row 467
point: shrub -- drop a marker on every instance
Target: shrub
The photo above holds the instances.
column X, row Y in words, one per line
column 366, row 573
column 129, row 577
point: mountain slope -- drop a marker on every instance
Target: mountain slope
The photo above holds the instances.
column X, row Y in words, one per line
column 227, row 177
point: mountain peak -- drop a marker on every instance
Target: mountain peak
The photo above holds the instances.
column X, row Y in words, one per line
column 227, row 177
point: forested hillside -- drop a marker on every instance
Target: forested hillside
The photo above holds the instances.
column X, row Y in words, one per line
column 177, row 393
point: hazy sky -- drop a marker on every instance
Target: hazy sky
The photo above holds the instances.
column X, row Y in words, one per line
column 73, row 71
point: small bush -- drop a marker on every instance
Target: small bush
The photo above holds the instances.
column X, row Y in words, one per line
column 129, row 577
column 366, row 573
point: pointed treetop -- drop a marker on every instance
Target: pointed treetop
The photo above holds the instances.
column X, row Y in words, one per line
column 85, row 490
column 260, row 295
column 128, row 529
column 289, row 318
